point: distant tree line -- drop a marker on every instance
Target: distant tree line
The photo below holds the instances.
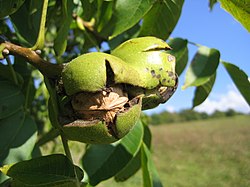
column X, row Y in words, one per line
column 187, row 115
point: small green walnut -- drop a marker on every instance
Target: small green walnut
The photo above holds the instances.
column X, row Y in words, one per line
column 102, row 112
column 9, row 7
column 156, row 68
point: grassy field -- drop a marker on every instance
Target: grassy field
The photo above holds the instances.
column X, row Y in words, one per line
column 212, row 153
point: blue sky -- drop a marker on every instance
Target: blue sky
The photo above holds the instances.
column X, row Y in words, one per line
column 215, row 29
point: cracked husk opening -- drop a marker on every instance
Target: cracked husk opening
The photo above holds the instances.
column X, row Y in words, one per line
column 103, row 106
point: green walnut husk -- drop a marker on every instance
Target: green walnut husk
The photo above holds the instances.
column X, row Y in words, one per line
column 8, row 7
column 150, row 58
column 89, row 72
column 102, row 112
column 96, row 132
column 106, row 92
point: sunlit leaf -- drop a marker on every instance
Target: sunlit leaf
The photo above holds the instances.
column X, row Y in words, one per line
column 240, row 9
column 104, row 161
column 240, row 79
column 160, row 21
column 126, row 14
column 202, row 91
column 53, row 170
column 180, row 51
column 203, row 66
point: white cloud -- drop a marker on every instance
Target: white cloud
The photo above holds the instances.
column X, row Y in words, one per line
column 170, row 108
column 232, row 99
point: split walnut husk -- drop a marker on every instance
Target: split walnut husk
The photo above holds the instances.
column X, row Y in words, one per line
column 102, row 117
column 108, row 91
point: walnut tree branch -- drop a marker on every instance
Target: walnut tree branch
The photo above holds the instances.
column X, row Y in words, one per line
column 46, row 68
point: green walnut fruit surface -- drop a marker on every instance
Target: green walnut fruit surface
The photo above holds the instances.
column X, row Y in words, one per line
column 156, row 68
column 93, row 71
column 8, row 7
column 106, row 92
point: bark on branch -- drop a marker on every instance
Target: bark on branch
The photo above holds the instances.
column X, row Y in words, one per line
column 46, row 68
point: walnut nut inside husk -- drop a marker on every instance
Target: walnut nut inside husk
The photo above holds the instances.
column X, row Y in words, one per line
column 106, row 92
column 106, row 115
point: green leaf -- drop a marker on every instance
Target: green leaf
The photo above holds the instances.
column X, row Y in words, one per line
column 11, row 99
column 135, row 163
column 25, row 71
column 160, row 21
column 9, row 7
column 104, row 13
column 60, row 42
column 130, row 33
column 53, row 170
column 2, row 47
column 180, row 51
column 103, row 161
column 203, row 66
column 9, row 129
column 6, row 74
column 125, row 15
column 239, row 9
column 212, row 3
column 17, row 139
column 202, row 92
column 22, row 138
column 240, row 79
column 41, row 34
column 149, row 173
column 89, row 9
column 52, row 103
column 27, row 31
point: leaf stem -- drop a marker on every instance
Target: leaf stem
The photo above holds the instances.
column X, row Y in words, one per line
column 66, row 147
column 41, row 35
column 13, row 73
column 68, row 154
column 195, row 44
column 190, row 42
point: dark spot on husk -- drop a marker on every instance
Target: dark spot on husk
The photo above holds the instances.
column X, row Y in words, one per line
column 153, row 73
column 170, row 74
